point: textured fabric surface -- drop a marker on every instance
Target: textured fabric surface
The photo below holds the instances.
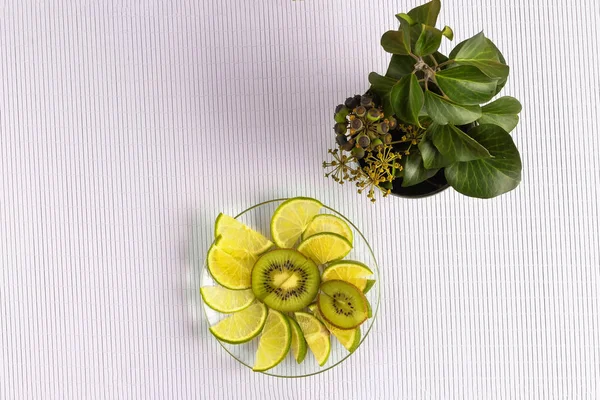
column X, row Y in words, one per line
column 126, row 126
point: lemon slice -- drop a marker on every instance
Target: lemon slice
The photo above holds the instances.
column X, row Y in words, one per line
column 325, row 247
column 226, row 300
column 299, row 347
column 238, row 239
column 229, row 271
column 316, row 335
column 241, row 326
column 291, row 218
column 349, row 338
column 353, row 272
column 328, row 223
column 274, row 342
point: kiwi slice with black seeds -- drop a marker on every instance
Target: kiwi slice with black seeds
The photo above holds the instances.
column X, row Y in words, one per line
column 342, row 304
column 285, row 280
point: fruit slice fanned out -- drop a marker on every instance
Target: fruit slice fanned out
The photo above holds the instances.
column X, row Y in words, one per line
column 327, row 223
column 353, row 272
column 342, row 304
column 241, row 326
column 285, row 280
column 229, row 271
column 291, row 218
column 274, row 342
column 316, row 335
column 226, row 300
column 325, row 247
column 299, row 346
column 238, row 239
column 349, row 338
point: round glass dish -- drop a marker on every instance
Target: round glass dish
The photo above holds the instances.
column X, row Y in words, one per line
column 258, row 217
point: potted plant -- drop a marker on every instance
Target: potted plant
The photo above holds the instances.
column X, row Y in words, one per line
column 429, row 122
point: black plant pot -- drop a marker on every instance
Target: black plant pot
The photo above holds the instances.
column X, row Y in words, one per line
column 429, row 187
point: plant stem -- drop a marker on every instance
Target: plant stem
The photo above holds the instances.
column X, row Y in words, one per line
column 445, row 63
column 434, row 60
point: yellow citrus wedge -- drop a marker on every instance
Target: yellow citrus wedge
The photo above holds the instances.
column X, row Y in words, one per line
column 353, row 272
column 291, row 218
column 327, row 223
column 241, row 326
column 325, row 247
column 274, row 343
column 316, row 335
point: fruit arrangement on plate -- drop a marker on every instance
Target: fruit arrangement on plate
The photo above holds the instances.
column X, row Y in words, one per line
column 291, row 292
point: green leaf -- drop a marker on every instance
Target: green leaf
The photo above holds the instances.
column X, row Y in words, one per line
column 414, row 170
column 432, row 158
column 407, row 99
column 427, row 13
column 400, row 66
column 396, row 42
column 444, row 111
column 405, row 17
column 480, row 52
column 428, row 42
column 466, row 84
column 502, row 112
column 456, row 145
column 447, row 31
column 488, row 177
column 382, row 86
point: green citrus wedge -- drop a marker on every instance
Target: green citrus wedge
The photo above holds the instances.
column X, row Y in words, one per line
column 316, row 335
column 291, row 218
column 226, row 300
column 322, row 223
column 349, row 271
column 370, row 283
column 349, row 338
column 238, row 239
column 229, row 271
column 299, row 346
column 274, row 342
column 325, row 247
column 241, row 326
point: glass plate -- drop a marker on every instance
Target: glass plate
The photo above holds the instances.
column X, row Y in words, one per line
column 258, row 217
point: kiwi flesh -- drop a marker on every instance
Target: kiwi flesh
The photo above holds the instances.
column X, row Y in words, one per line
column 342, row 304
column 285, row 280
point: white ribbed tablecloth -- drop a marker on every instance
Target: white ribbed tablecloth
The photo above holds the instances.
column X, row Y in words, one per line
column 127, row 125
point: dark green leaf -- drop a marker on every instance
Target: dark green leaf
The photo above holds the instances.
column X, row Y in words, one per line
column 400, row 66
column 444, row 111
column 382, row 86
column 466, row 84
column 428, row 42
column 480, row 52
column 405, row 17
column 427, row 13
column 432, row 158
column 488, row 177
column 407, row 99
column 502, row 112
column 456, row 145
column 396, row 42
column 414, row 170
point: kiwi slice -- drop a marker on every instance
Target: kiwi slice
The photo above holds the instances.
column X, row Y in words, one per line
column 285, row 280
column 342, row 304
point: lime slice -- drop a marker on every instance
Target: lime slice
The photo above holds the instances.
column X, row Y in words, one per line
column 299, row 347
column 370, row 283
column 274, row 342
column 241, row 326
column 353, row 272
column 229, row 271
column 226, row 300
column 316, row 335
column 349, row 338
column 328, row 223
column 291, row 218
column 238, row 239
column 325, row 247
